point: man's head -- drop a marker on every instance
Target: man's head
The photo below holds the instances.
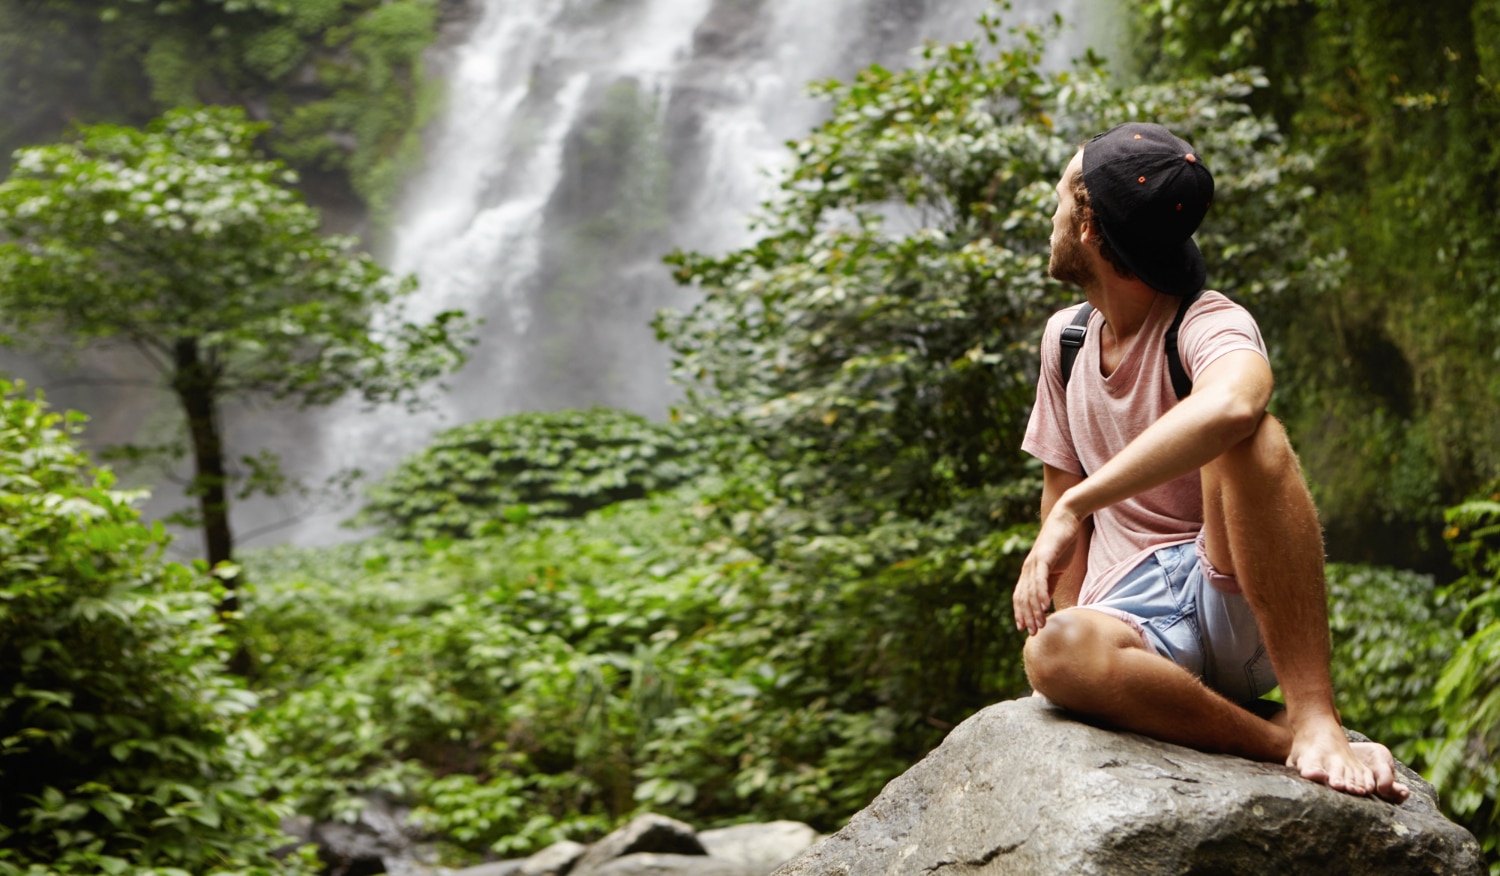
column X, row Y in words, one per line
column 1142, row 192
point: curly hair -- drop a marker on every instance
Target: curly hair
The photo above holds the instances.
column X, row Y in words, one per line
column 1083, row 211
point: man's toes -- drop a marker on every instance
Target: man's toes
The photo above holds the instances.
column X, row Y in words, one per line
column 1312, row 771
column 1386, row 786
column 1383, row 769
column 1359, row 779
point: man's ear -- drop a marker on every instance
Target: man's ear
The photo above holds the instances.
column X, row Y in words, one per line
column 1088, row 231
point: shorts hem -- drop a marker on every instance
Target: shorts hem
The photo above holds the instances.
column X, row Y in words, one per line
column 1131, row 620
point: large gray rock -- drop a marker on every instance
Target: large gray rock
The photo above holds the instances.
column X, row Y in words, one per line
column 1023, row 788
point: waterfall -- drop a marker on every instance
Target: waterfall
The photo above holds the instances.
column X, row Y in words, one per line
column 581, row 141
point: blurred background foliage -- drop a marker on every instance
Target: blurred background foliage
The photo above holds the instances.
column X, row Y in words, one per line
column 1387, row 376
column 790, row 593
column 340, row 81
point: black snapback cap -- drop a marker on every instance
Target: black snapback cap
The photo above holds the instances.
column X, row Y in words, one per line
column 1149, row 191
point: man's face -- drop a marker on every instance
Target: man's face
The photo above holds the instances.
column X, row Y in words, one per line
column 1069, row 262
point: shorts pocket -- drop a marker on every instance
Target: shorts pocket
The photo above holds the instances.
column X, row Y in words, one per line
column 1260, row 678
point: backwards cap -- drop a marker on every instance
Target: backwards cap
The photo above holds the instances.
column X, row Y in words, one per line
column 1149, row 191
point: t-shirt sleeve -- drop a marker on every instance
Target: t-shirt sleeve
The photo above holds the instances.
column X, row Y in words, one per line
column 1048, row 436
column 1213, row 327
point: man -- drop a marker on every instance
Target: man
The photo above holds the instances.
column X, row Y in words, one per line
column 1179, row 544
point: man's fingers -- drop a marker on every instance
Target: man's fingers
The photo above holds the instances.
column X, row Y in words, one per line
column 1025, row 601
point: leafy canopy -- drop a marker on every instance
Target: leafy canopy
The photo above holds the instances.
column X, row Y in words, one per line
column 179, row 231
column 341, row 81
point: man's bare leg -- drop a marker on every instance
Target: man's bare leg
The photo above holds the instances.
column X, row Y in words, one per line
column 1094, row 664
column 1262, row 527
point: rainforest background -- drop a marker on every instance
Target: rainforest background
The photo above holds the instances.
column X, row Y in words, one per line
column 777, row 597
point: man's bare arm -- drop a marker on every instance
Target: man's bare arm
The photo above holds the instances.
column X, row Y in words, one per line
column 1229, row 399
column 1062, row 586
column 1227, row 403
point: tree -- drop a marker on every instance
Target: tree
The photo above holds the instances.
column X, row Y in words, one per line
column 179, row 242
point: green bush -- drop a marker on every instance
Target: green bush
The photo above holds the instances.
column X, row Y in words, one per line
column 505, row 685
column 1467, row 764
column 1392, row 632
column 476, row 477
column 118, row 743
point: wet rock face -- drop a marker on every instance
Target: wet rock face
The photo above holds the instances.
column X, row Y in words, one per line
column 1022, row 788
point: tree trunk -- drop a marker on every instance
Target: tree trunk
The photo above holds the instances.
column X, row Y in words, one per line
column 196, row 387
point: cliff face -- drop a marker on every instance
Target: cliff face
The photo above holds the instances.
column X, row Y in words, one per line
column 1022, row 788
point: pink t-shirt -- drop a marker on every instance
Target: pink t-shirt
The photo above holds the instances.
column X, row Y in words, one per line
column 1081, row 428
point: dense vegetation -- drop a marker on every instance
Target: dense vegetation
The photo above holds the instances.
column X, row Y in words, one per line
column 182, row 244
column 773, row 605
column 1388, row 373
column 122, row 748
column 340, row 80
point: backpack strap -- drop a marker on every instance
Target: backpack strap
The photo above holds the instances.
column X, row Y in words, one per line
column 1073, row 335
column 1181, row 383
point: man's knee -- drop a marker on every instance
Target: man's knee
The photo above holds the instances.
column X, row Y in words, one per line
column 1069, row 655
column 1267, row 453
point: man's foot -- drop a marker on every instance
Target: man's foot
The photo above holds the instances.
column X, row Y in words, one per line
column 1324, row 754
column 1380, row 761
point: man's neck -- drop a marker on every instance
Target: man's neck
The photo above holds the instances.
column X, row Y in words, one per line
column 1124, row 305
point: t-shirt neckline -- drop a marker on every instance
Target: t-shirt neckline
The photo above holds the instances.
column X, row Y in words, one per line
column 1123, row 377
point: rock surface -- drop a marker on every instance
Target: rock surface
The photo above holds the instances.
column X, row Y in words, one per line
column 644, row 833
column 654, row 845
column 762, row 847
column 1023, row 788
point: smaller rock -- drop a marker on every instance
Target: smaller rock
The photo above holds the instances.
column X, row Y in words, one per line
column 557, row 859
column 494, row 868
column 299, row 830
column 763, row 847
column 652, row 864
column 644, row 833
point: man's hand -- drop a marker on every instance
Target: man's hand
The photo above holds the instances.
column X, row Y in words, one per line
column 1049, row 558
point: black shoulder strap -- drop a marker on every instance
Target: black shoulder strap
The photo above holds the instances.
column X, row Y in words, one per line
column 1072, row 340
column 1181, row 383
column 1074, row 333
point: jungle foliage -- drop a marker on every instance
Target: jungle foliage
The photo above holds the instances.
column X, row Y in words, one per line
column 1394, row 396
column 179, row 242
column 806, row 599
column 340, row 81
column 122, row 745
column 474, row 478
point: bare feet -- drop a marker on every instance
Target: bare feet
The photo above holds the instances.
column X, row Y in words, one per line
column 1322, row 753
column 1378, row 758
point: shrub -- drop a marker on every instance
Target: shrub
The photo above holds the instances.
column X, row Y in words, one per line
column 475, row 477
column 118, row 748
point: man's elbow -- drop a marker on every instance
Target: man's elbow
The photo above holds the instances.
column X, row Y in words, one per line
column 1241, row 416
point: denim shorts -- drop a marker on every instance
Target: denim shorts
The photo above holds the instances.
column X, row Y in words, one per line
column 1188, row 612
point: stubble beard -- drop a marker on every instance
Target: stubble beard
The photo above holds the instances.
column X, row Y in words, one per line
column 1069, row 263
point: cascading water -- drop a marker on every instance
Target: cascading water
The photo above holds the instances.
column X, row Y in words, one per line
column 581, row 141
